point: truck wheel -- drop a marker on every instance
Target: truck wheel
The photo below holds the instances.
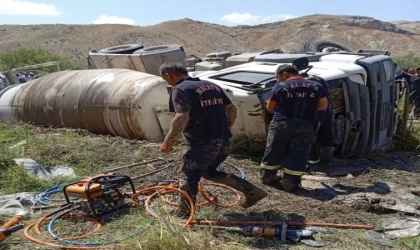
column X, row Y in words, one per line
column 224, row 54
column 158, row 49
column 317, row 45
column 122, row 49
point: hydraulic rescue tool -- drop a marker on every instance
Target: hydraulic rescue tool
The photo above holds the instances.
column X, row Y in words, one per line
column 283, row 232
column 103, row 193
column 12, row 225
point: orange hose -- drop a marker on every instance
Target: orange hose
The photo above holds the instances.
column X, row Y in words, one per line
column 165, row 189
column 176, row 185
column 202, row 192
column 208, row 200
column 13, row 221
column 29, row 237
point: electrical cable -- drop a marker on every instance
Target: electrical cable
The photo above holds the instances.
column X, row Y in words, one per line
column 154, row 192
column 75, row 244
column 78, row 243
column 237, row 169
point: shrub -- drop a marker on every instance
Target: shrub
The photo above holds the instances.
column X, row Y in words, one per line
column 25, row 57
column 408, row 61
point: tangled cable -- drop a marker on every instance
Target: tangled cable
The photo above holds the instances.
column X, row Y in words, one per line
column 146, row 195
column 174, row 188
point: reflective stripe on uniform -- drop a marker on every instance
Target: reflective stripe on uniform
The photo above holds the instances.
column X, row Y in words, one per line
column 292, row 172
column 269, row 167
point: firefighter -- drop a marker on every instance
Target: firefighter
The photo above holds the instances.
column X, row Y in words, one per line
column 205, row 115
column 294, row 102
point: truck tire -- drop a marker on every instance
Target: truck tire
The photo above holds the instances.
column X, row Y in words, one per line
column 154, row 57
column 158, row 49
column 317, row 45
column 224, row 54
column 122, row 49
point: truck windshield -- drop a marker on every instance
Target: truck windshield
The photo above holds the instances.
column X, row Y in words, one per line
column 245, row 78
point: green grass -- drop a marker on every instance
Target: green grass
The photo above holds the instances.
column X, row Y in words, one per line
column 25, row 57
column 407, row 61
column 90, row 155
column 409, row 242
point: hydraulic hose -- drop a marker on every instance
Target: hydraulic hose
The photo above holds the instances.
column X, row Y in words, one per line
column 164, row 190
column 237, row 169
column 89, row 244
column 280, row 223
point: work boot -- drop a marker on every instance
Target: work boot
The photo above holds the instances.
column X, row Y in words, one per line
column 269, row 177
column 290, row 183
column 183, row 209
column 326, row 154
column 252, row 193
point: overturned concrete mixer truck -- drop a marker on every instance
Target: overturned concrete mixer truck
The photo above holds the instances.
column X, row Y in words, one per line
column 121, row 101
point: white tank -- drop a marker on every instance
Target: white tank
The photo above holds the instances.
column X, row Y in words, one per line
column 104, row 101
column 6, row 103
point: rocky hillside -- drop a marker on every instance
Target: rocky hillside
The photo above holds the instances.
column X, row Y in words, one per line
column 199, row 38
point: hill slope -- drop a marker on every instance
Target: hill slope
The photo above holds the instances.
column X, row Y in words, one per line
column 200, row 38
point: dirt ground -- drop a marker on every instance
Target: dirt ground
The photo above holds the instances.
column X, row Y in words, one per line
column 307, row 204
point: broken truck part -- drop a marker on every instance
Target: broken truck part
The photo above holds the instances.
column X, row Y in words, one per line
column 135, row 57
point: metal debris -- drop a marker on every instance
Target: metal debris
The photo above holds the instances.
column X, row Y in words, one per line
column 379, row 238
column 25, row 198
column 312, row 243
column 34, row 169
column 10, row 207
column 398, row 228
column 344, row 171
column 318, row 230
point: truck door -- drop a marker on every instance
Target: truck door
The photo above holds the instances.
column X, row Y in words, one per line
column 381, row 84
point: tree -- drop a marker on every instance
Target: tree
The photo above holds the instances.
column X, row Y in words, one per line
column 408, row 61
column 25, row 57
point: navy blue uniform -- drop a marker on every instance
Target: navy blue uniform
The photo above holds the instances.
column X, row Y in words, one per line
column 206, row 103
column 399, row 75
column 207, row 133
column 325, row 136
column 291, row 132
column 415, row 95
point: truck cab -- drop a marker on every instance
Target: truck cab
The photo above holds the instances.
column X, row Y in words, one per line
column 361, row 91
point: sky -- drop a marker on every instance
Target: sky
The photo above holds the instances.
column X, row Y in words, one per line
column 224, row 12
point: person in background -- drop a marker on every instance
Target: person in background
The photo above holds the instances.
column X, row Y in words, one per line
column 3, row 81
column 21, row 78
column 414, row 99
column 294, row 102
column 411, row 72
column 401, row 75
column 27, row 77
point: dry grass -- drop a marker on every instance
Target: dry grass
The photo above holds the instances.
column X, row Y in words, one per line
column 91, row 154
